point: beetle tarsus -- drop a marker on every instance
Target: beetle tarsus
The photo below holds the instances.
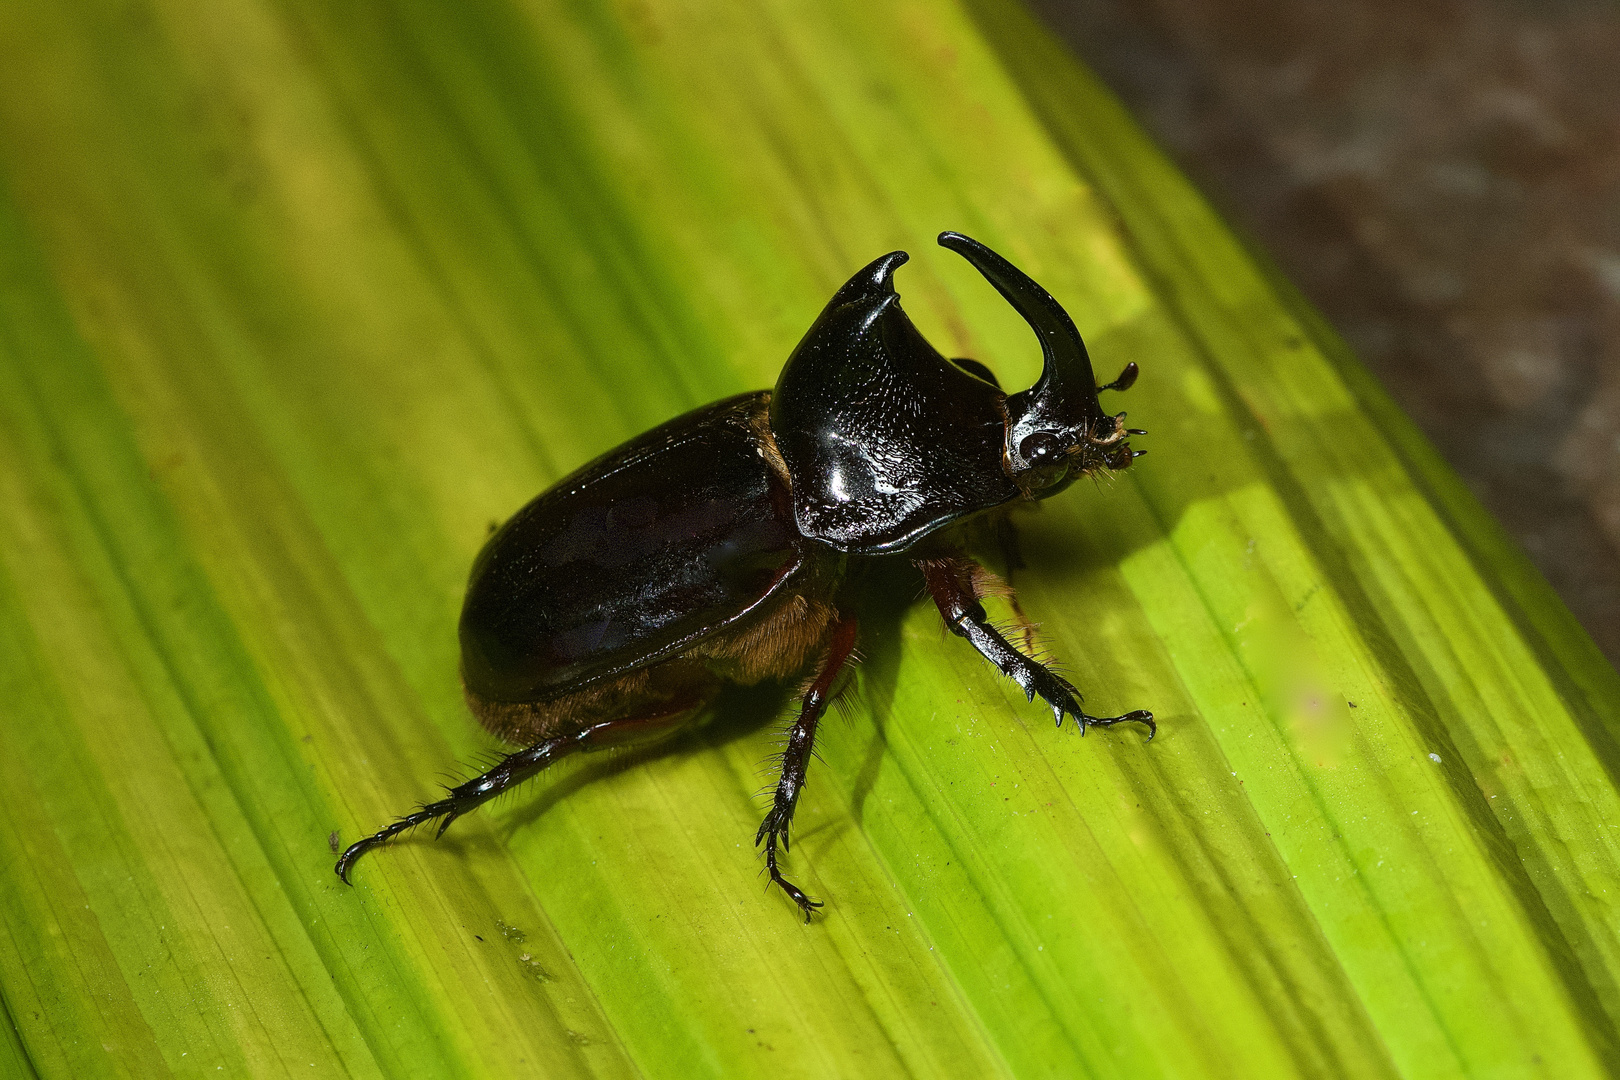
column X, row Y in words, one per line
column 772, row 830
column 1138, row 716
column 510, row 770
column 444, row 808
column 796, row 760
column 807, row 904
column 1059, row 693
column 353, row 852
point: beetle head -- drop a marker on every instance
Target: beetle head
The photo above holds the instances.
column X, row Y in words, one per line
column 1057, row 430
column 884, row 440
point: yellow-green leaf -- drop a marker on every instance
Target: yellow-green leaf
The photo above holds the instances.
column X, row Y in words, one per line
column 296, row 298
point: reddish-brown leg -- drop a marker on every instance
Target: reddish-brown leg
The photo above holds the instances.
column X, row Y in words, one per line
column 950, row 581
column 515, row 768
column 796, row 760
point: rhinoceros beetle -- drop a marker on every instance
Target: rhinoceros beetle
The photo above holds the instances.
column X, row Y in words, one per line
column 714, row 549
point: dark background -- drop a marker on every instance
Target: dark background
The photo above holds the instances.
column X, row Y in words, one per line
column 1443, row 181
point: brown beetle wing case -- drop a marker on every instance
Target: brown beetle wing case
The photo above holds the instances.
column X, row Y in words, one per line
column 634, row 557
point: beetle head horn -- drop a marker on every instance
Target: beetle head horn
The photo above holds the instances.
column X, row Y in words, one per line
column 1060, row 417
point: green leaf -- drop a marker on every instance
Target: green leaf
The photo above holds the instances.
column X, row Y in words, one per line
column 297, row 298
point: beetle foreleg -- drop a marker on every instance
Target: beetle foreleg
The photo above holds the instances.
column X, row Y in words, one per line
column 796, row 760
column 950, row 582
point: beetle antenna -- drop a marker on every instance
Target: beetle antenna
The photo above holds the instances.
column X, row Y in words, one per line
column 1126, row 379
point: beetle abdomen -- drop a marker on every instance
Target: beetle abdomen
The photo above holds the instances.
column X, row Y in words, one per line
column 777, row 639
column 631, row 559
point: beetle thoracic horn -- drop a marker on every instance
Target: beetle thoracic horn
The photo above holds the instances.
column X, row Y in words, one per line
column 1066, row 366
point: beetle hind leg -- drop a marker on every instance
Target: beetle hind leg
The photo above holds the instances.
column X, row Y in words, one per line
column 796, row 762
column 951, row 583
column 514, row 768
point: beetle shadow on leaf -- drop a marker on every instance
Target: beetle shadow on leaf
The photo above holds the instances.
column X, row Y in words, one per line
column 881, row 596
column 738, row 711
column 888, row 590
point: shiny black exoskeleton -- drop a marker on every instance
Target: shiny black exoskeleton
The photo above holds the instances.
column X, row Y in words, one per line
column 715, row 548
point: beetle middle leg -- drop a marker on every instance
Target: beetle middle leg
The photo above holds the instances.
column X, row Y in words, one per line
column 515, row 768
column 951, row 583
column 796, row 760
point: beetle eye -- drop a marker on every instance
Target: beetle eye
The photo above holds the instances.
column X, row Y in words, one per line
column 1041, row 448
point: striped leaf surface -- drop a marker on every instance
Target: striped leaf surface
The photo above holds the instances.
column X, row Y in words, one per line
column 296, row 298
